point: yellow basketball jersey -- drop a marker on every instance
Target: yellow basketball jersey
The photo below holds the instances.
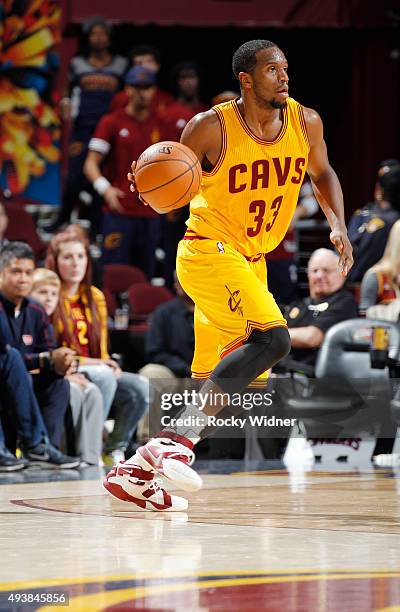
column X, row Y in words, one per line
column 249, row 198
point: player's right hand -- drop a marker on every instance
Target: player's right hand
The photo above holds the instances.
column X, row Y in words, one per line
column 131, row 177
column 132, row 186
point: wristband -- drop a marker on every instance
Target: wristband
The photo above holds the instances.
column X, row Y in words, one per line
column 101, row 184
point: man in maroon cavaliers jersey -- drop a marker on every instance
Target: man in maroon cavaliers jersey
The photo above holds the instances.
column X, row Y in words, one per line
column 131, row 230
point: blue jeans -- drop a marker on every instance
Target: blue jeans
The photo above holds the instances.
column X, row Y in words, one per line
column 130, row 404
column 103, row 377
column 18, row 399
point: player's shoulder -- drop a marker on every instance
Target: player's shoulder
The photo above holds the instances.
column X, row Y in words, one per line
column 204, row 128
column 206, row 119
column 311, row 116
column 313, row 124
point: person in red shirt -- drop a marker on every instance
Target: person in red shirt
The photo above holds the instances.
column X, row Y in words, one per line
column 186, row 77
column 149, row 57
column 131, row 231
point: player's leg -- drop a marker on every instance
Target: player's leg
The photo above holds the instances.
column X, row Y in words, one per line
column 232, row 302
column 132, row 483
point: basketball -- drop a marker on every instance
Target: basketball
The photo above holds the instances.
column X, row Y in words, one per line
column 167, row 175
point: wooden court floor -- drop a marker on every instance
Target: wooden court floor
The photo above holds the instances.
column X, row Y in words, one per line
column 251, row 540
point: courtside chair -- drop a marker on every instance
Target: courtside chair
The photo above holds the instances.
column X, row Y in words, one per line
column 344, row 378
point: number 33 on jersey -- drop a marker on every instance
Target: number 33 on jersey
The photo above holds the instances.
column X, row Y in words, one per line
column 252, row 208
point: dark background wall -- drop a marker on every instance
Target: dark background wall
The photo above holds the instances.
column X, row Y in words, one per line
column 350, row 75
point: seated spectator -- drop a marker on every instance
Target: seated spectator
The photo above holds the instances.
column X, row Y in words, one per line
column 328, row 303
column 169, row 348
column 380, row 284
column 21, row 413
column 30, row 332
column 86, row 401
column 369, row 227
column 80, row 322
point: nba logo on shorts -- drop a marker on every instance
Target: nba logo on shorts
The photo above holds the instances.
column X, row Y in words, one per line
column 220, row 247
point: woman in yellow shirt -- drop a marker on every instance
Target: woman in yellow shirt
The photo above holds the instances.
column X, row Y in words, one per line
column 80, row 322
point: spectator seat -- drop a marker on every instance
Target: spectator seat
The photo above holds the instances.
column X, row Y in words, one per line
column 21, row 226
column 144, row 298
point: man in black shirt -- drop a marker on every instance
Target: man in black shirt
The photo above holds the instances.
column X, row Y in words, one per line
column 170, row 339
column 20, row 413
column 328, row 303
column 27, row 328
column 369, row 227
column 169, row 349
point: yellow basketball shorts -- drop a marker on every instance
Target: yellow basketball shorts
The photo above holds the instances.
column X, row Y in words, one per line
column 231, row 299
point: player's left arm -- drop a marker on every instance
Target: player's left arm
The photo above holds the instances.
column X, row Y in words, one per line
column 327, row 188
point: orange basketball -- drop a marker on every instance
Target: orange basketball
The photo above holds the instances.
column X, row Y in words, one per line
column 167, row 175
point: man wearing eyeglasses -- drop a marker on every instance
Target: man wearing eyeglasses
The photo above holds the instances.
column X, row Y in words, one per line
column 328, row 303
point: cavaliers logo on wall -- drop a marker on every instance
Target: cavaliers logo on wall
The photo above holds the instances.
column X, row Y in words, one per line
column 29, row 125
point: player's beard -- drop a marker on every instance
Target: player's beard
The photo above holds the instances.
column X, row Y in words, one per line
column 279, row 105
column 264, row 103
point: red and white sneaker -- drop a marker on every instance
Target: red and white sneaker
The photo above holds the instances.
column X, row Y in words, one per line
column 131, row 483
column 171, row 457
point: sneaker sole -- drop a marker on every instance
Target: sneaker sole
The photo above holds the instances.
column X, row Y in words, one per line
column 12, row 468
column 53, row 466
column 179, row 474
column 117, row 492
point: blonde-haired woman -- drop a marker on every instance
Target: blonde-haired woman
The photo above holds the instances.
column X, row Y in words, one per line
column 380, row 284
column 86, row 401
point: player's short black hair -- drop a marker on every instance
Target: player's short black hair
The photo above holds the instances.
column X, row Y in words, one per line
column 145, row 50
column 244, row 59
column 15, row 250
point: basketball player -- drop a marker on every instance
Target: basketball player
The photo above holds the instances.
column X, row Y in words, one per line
column 254, row 152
